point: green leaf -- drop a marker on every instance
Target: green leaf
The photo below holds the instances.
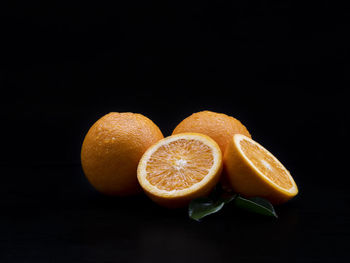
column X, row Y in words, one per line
column 204, row 206
column 256, row 205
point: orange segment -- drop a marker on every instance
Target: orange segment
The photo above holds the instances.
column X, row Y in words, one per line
column 254, row 171
column 266, row 164
column 179, row 164
column 179, row 168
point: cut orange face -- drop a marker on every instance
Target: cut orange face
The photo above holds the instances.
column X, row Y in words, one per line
column 180, row 168
column 254, row 171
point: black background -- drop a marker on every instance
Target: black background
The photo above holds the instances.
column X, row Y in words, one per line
column 278, row 66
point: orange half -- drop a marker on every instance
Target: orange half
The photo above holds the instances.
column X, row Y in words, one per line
column 254, row 171
column 180, row 168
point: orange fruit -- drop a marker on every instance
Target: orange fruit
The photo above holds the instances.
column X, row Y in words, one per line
column 218, row 126
column 180, row 168
column 112, row 149
column 254, row 171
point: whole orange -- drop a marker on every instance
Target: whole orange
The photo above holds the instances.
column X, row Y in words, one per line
column 220, row 127
column 112, row 149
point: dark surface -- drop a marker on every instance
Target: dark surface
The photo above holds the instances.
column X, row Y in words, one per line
column 281, row 67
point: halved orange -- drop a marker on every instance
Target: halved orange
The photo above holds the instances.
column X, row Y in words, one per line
column 180, row 168
column 254, row 171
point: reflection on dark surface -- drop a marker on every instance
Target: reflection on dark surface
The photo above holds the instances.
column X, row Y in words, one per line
column 61, row 215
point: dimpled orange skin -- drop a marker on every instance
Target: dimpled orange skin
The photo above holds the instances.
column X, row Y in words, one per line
column 220, row 127
column 112, row 149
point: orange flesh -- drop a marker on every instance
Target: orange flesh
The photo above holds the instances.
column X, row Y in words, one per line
column 266, row 164
column 179, row 164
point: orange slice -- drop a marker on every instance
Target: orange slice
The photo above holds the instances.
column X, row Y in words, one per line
column 180, row 168
column 254, row 171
